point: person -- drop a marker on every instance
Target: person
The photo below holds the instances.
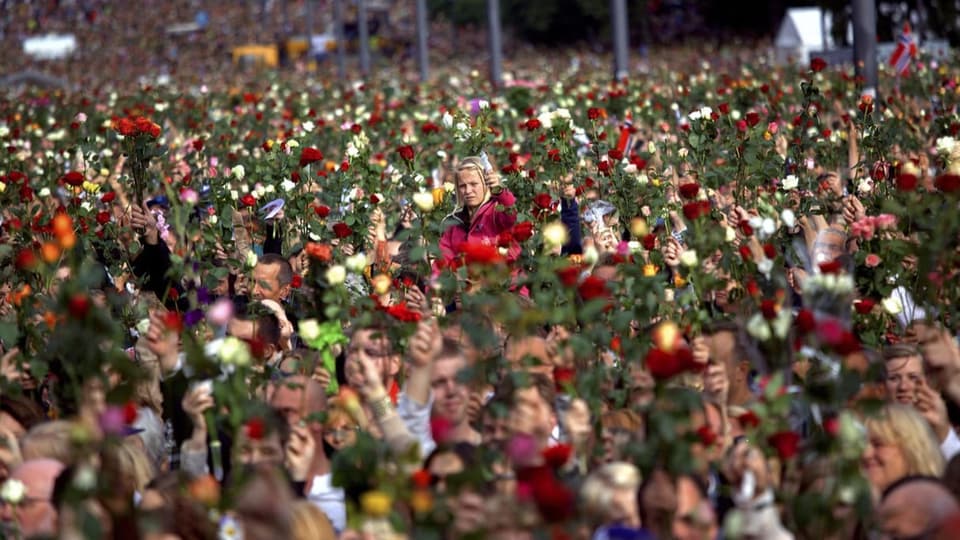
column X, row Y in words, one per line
column 729, row 347
column 35, row 515
column 479, row 193
column 906, row 383
column 451, row 395
column 609, row 495
column 272, row 277
column 916, row 507
column 900, row 443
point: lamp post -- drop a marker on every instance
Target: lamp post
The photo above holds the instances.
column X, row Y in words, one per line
column 865, row 43
column 618, row 21
column 364, row 37
column 496, row 43
column 338, row 35
column 422, row 54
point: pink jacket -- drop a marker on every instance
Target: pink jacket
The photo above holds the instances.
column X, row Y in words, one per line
column 486, row 226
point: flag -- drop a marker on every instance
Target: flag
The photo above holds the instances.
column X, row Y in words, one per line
column 905, row 52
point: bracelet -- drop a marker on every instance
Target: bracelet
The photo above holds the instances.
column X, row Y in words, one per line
column 381, row 407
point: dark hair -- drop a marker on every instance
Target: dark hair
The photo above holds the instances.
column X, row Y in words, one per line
column 507, row 389
column 268, row 329
column 450, row 349
column 285, row 276
column 22, row 409
column 463, row 450
column 744, row 346
column 899, row 350
column 911, row 479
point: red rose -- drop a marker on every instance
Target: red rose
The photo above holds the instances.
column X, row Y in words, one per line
column 563, row 377
column 745, row 252
column 615, row 154
column 569, row 276
column 197, row 144
column 864, row 306
column 309, row 155
column 689, row 190
column 406, row 152
column 475, row 252
column 555, row 501
column 142, row 124
column 745, row 228
column 429, row 127
column 817, row 64
column 553, row 154
column 154, row 131
column 706, row 435
column 752, row 118
column 420, row 479
column 130, row 413
column 79, row 305
column 296, row 282
column 522, row 231
column 749, row 419
column 103, row 217
column 255, row 428
column 650, row 242
column 557, row 456
column 248, row 200
column 26, row 260
column 806, row 322
column 173, row 321
column 831, row 267
column 504, row 239
column 73, row 178
column 345, row 166
column 108, row 197
column 786, row 443
column 695, row 210
column 769, row 251
column 662, row 365
column 403, row 313
column 741, row 126
column 752, row 288
column 724, row 108
column 125, row 127
column 533, row 124
column 604, row 167
column 593, row 113
column 947, row 183
column 342, row 230
column 374, row 199
column 593, row 287
column 321, row 211
column 831, row 425
column 906, row 182
column 769, row 308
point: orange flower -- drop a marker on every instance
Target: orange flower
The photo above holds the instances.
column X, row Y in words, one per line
column 50, row 319
column 21, row 294
column 67, row 241
column 50, row 252
column 320, row 252
column 62, row 225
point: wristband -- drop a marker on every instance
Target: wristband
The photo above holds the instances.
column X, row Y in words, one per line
column 381, row 407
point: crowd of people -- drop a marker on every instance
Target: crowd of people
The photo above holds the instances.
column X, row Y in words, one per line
column 717, row 302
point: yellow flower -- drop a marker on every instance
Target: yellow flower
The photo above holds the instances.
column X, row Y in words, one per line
column 679, row 281
column 649, row 270
column 655, row 181
column 767, row 136
column 90, row 187
column 375, row 503
column 268, row 144
column 421, row 501
column 438, row 194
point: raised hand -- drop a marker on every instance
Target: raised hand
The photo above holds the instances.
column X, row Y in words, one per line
column 196, row 402
column 425, row 343
column 299, row 452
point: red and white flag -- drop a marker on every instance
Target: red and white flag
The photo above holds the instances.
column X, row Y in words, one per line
column 905, row 52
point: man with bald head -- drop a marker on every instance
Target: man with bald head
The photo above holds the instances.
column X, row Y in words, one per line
column 300, row 400
column 35, row 515
column 900, row 515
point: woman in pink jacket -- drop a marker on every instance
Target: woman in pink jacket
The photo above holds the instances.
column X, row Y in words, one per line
column 477, row 218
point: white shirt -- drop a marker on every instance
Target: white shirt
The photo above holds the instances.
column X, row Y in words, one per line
column 950, row 446
column 330, row 500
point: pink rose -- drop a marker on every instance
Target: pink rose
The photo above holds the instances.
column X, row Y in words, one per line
column 772, row 127
column 872, row 260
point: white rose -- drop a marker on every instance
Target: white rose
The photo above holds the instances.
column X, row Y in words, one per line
column 765, row 266
column 270, row 188
column 735, row 114
column 790, row 182
column 234, row 194
column 446, row 120
column 689, row 258
column 449, row 187
column 308, row 126
column 788, row 218
column 352, row 151
column 356, row 263
column 694, row 116
column 706, row 112
column 213, row 220
column 336, row 274
column 546, row 120
column 234, row 352
column 287, row 185
column 239, row 172
column 292, row 143
column 758, row 328
column 44, row 192
column 781, row 325
column 251, row 259
column 106, row 152
column 767, row 228
column 892, row 305
column 730, row 235
column 483, row 104
column 13, row 491
column 555, row 234
column 683, row 152
column 309, row 329
column 423, row 200
column 143, row 327
column 865, row 185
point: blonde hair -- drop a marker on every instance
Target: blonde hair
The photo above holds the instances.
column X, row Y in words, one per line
column 310, row 523
column 902, row 425
column 49, row 440
column 597, row 490
column 132, row 465
column 472, row 163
